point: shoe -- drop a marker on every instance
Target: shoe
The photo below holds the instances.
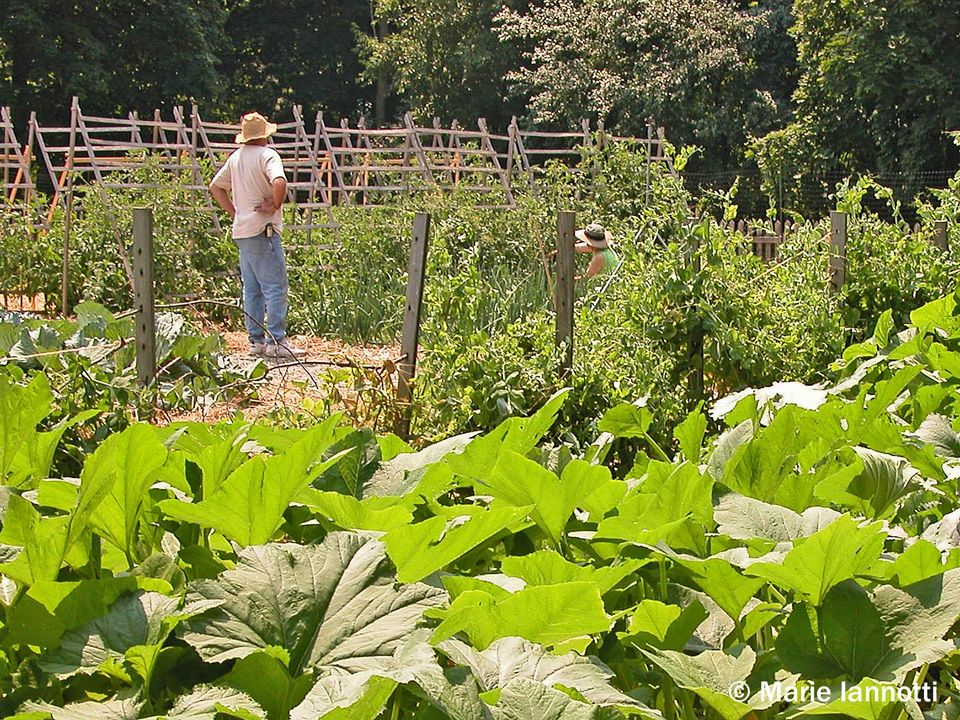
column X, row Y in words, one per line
column 284, row 349
column 257, row 350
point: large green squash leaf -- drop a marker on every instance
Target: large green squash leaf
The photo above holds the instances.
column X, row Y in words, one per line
column 141, row 619
column 248, row 508
column 402, row 474
column 845, row 636
column 840, row 551
column 546, row 567
column 546, row 614
column 21, row 409
column 425, row 547
column 711, row 675
column 744, row 518
column 362, row 694
column 523, row 699
column 511, row 659
column 48, row 608
column 520, row 481
column 326, row 605
column 122, row 470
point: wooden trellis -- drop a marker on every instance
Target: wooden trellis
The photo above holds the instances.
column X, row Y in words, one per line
column 326, row 165
column 15, row 162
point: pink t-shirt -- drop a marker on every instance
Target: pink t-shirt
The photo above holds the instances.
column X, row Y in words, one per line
column 248, row 174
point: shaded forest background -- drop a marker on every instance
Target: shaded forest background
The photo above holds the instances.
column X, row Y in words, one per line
column 774, row 92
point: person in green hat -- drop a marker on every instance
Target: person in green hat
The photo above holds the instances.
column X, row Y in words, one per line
column 595, row 239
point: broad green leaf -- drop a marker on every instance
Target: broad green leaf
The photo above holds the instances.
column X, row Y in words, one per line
column 665, row 497
column 50, row 608
column 519, row 481
column 44, row 540
column 845, row 636
column 21, row 409
column 917, row 618
column 348, row 513
column 631, row 420
column 338, row 696
column 937, row 430
column 248, row 508
column 522, row 699
column 945, row 533
column 391, row 446
column 128, row 709
column 689, row 435
column 327, row 605
column 867, row 700
column 918, row 562
column 664, row 627
column 547, row 614
column 711, row 675
column 140, row 619
column 210, row 702
column 511, row 659
column 765, row 467
column 124, row 466
column 267, row 682
column 217, row 451
column 839, row 551
column 519, row 435
column 425, row 547
column 401, row 475
column 720, row 580
column 35, row 456
column 883, row 328
column 522, row 434
column 744, row 518
column 730, row 445
column 361, row 694
column 885, row 479
column 547, row 567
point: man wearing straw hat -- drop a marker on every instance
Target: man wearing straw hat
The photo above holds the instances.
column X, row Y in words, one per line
column 251, row 187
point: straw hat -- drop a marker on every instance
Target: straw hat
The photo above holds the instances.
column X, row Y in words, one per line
column 595, row 235
column 254, row 126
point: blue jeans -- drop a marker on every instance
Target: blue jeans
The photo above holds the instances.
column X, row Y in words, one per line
column 263, row 271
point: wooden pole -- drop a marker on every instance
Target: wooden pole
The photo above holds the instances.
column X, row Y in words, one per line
column 143, row 294
column 68, row 213
column 407, row 367
column 940, row 235
column 838, row 249
column 563, row 298
column 695, row 335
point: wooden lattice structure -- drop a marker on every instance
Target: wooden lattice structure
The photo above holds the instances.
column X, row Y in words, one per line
column 326, row 165
column 15, row 162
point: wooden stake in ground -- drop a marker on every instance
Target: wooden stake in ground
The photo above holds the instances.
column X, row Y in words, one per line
column 563, row 297
column 838, row 249
column 143, row 295
column 407, row 367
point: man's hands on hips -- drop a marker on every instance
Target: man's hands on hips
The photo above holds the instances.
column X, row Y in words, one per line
column 267, row 207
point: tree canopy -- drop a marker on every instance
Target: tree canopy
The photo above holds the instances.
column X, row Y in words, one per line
column 802, row 85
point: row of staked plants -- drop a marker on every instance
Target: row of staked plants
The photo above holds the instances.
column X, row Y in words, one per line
column 487, row 338
column 803, row 559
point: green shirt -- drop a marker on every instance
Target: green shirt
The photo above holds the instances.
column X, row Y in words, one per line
column 610, row 260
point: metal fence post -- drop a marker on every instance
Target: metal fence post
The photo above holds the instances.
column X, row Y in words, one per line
column 143, row 295
column 563, row 299
column 838, row 249
column 940, row 235
column 407, row 367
